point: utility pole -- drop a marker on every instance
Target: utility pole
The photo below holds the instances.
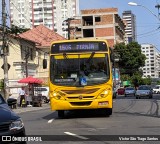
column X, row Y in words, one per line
column 5, row 52
column 26, row 65
column 26, row 62
column 69, row 22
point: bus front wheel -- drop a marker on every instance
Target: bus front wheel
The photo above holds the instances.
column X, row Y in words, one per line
column 108, row 111
column 60, row 113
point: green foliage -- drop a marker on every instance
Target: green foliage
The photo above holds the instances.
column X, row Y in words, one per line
column 17, row 30
column 1, row 83
column 130, row 57
column 147, row 81
column 158, row 82
column 136, row 79
column 125, row 77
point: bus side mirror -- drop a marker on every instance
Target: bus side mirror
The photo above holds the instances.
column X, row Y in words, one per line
column 111, row 55
column 44, row 63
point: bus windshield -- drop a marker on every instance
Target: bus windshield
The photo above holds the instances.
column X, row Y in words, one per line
column 66, row 69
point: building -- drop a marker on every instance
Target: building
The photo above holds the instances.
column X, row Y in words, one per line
column 51, row 13
column 130, row 29
column 152, row 63
column 43, row 37
column 26, row 52
column 19, row 49
column 100, row 24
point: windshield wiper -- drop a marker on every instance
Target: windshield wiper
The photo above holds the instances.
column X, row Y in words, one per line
column 65, row 56
column 90, row 58
column 88, row 63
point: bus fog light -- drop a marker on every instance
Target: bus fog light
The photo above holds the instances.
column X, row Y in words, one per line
column 103, row 103
column 58, row 97
column 102, row 95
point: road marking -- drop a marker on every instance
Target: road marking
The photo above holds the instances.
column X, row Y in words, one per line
column 75, row 135
column 50, row 121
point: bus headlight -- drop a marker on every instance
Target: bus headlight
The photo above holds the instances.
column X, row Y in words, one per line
column 54, row 94
column 104, row 94
column 57, row 95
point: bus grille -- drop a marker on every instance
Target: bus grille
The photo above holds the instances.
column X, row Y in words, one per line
column 4, row 127
column 82, row 91
column 80, row 103
column 77, row 97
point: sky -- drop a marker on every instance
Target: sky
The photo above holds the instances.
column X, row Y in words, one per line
column 147, row 24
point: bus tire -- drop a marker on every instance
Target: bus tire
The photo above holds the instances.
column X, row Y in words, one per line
column 60, row 113
column 108, row 111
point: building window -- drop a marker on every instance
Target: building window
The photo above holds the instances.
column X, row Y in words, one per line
column 21, row 50
column 97, row 19
column 31, row 54
column 55, row 30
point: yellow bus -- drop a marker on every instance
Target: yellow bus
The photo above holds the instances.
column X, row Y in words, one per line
column 80, row 76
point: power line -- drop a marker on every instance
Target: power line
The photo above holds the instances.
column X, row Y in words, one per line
column 31, row 25
column 149, row 32
column 29, row 21
column 152, row 34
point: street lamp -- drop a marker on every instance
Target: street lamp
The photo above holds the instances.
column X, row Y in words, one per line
column 135, row 4
column 132, row 4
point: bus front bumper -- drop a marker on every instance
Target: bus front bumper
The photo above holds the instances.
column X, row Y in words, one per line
column 80, row 104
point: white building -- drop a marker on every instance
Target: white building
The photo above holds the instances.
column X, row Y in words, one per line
column 130, row 29
column 51, row 13
column 152, row 63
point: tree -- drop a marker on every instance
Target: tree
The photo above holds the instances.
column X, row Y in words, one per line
column 147, row 81
column 158, row 82
column 125, row 77
column 130, row 57
column 136, row 79
column 17, row 30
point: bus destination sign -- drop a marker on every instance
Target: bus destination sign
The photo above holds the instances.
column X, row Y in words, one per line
column 78, row 47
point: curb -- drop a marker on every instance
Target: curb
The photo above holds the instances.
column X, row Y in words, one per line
column 29, row 109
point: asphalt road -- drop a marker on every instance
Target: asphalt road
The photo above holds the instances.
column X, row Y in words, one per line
column 131, row 119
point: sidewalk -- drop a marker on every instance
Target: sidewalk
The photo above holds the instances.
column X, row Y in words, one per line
column 28, row 109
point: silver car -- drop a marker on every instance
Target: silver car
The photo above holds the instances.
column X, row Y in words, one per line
column 144, row 91
column 129, row 91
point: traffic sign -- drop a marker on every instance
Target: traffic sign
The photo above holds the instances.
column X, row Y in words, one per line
column 8, row 66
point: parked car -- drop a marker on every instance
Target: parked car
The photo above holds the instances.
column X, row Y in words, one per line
column 120, row 91
column 144, row 91
column 130, row 91
column 10, row 123
column 156, row 89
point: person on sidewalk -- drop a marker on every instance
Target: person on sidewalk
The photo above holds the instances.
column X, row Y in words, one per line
column 28, row 99
column 22, row 95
